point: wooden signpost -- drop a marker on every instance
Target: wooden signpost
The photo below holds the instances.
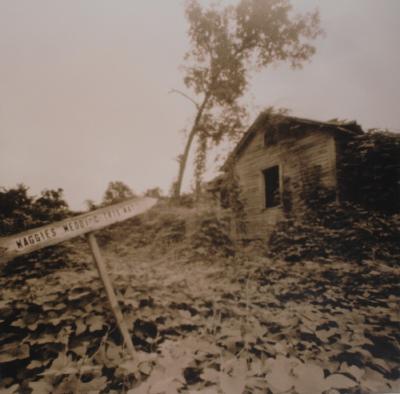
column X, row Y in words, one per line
column 52, row 234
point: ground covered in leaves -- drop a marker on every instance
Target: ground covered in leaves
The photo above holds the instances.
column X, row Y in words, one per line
column 228, row 325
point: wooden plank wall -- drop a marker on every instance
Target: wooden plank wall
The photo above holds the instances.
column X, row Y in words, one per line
column 295, row 157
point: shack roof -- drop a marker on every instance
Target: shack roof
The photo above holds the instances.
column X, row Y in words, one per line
column 267, row 119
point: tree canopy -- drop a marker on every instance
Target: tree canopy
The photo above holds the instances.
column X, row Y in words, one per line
column 228, row 43
column 116, row 192
column 20, row 211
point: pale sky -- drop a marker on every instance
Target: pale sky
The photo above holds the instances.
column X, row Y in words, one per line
column 84, row 87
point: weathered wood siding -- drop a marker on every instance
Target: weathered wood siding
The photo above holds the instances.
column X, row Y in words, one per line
column 297, row 159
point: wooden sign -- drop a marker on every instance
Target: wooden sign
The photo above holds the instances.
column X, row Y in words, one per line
column 52, row 234
column 64, row 230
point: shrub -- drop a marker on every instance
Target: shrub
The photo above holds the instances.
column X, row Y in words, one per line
column 369, row 171
column 116, row 192
column 19, row 212
column 344, row 231
column 211, row 238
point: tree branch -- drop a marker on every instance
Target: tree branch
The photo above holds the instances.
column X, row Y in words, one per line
column 186, row 96
column 241, row 48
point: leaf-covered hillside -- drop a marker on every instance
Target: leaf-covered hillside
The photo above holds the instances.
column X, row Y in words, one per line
column 204, row 316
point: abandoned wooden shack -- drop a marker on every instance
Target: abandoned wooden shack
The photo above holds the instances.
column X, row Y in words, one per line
column 276, row 160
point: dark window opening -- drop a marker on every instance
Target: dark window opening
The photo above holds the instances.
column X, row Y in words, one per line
column 270, row 137
column 274, row 133
column 271, row 183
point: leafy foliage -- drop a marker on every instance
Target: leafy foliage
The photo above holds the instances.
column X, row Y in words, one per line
column 329, row 229
column 369, row 171
column 57, row 318
column 231, row 327
column 341, row 231
column 211, row 238
column 206, row 325
column 19, row 211
column 230, row 197
column 154, row 192
column 181, row 232
column 227, row 43
column 117, row 192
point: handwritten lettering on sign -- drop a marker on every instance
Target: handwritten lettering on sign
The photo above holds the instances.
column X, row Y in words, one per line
column 64, row 230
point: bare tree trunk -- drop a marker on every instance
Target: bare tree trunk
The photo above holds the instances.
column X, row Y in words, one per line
column 183, row 160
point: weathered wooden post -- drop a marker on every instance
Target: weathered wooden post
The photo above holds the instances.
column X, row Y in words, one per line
column 101, row 268
column 52, row 234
